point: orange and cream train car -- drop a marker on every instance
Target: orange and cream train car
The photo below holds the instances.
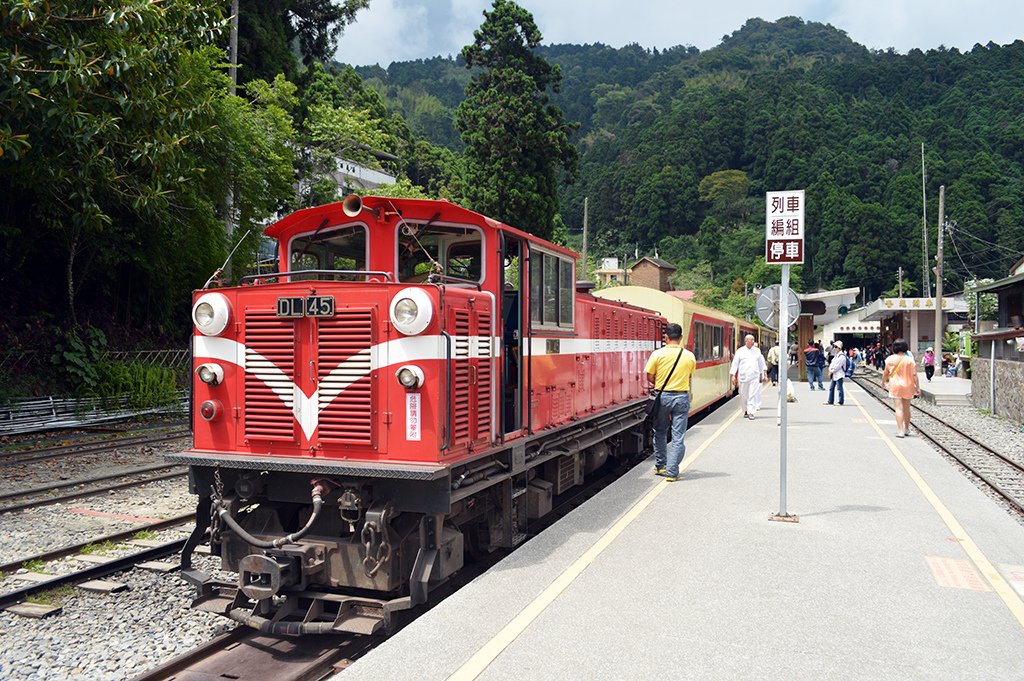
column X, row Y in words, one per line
column 711, row 336
column 416, row 383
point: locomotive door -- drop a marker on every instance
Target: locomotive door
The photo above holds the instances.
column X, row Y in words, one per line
column 510, row 390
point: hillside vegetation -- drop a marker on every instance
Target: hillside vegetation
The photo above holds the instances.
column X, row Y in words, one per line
column 789, row 104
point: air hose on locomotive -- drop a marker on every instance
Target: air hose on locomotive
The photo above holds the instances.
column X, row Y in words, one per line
column 222, row 510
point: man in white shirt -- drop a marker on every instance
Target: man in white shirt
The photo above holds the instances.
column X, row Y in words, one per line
column 748, row 373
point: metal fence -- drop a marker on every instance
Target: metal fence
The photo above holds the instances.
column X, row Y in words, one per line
column 35, row 414
column 14, row 361
column 32, row 415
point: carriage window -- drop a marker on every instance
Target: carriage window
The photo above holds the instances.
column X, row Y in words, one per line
column 329, row 248
column 454, row 252
column 550, row 289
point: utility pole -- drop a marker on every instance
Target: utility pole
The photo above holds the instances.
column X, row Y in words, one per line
column 899, row 276
column 586, row 205
column 924, row 231
column 938, row 272
column 233, row 47
column 229, row 198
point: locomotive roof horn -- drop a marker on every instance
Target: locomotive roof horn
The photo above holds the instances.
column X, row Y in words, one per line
column 353, row 204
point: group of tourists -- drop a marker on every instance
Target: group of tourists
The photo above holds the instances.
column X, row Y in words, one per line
column 670, row 368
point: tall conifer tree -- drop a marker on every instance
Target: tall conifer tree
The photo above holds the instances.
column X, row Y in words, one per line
column 516, row 141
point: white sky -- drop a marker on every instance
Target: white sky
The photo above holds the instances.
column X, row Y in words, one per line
column 399, row 30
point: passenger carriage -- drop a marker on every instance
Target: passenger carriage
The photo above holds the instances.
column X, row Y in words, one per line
column 709, row 334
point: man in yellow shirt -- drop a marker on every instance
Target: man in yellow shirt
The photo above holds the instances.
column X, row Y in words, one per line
column 669, row 370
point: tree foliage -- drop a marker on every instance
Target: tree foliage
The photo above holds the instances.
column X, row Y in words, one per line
column 516, row 142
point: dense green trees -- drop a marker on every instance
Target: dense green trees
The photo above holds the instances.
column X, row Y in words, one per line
column 516, row 142
column 790, row 105
column 122, row 155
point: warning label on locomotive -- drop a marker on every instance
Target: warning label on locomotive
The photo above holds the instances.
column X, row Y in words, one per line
column 309, row 306
column 412, row 416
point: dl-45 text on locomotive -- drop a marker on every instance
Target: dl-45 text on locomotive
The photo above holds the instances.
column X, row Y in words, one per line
column 414, row 385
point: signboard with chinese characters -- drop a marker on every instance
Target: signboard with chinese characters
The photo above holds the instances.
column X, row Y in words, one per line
column 784, row 228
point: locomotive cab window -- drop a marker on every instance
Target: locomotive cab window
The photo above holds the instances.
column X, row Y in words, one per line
column 552, row 290
column 328, row 248
column 454, row 254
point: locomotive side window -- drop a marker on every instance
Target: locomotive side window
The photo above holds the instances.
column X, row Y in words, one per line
column 328, row 248
column 552, row 290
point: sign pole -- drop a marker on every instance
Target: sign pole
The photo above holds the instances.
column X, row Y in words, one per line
column 784, row 245
column 783, row 343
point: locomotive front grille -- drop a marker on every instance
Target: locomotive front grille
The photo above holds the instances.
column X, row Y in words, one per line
column 269, row 376
column 483, row 404
column 344, row 374
column 461, row 376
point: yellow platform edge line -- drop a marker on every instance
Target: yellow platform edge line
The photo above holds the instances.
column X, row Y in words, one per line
column 480, row 660
column 984, row 565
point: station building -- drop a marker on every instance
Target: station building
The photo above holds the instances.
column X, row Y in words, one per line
column 913, row 319
column 998, row 372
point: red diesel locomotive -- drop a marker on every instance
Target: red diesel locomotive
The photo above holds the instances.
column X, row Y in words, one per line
column 418, row 384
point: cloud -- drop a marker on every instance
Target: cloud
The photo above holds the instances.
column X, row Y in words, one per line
column 415, row 29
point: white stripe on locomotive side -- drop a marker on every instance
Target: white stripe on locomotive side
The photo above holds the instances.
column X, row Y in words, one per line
column 306, row 409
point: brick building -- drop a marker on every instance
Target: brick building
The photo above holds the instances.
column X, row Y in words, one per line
column 652, row 273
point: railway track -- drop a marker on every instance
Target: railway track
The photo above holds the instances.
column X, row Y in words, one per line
column 1003, row 474
column 95, row 571
column 31, row 455
column 73, row 549
column 43, row 495
column 246, row 654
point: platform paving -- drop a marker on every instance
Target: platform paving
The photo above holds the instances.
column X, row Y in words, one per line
column 899, row 568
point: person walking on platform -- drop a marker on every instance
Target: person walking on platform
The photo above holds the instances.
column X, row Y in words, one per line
column 773, row 364
column 670, row 367
column 879, row 356
column 748, row 373
column 929, row 364
column 812, row 357
column 837, row 372
column 900, row 378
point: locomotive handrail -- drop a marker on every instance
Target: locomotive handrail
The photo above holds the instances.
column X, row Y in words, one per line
column 434, row 278
column 448, row 390
column 361, row 273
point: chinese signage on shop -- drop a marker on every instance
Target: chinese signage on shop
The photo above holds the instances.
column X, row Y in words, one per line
column 784, row 228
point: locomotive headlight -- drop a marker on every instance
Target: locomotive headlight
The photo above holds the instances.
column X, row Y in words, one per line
column 210, row 374
column 411, row 311
column 410, row 376
column 406, row 311
column 211, row 314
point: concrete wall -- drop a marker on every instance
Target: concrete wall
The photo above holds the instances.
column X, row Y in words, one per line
column 1009, row 394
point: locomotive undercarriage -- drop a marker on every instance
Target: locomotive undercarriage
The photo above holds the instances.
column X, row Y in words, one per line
column 321, row 547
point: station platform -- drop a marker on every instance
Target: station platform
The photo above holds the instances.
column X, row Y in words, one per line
column 899, row 568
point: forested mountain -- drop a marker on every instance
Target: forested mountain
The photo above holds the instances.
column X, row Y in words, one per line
column 789, row 104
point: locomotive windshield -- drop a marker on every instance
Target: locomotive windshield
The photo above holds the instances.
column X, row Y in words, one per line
column 455, row 253
column 329, row 248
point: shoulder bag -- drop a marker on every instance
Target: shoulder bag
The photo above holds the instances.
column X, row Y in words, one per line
column 654, row 404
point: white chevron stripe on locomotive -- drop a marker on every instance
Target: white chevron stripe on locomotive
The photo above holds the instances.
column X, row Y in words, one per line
column 306, row 409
